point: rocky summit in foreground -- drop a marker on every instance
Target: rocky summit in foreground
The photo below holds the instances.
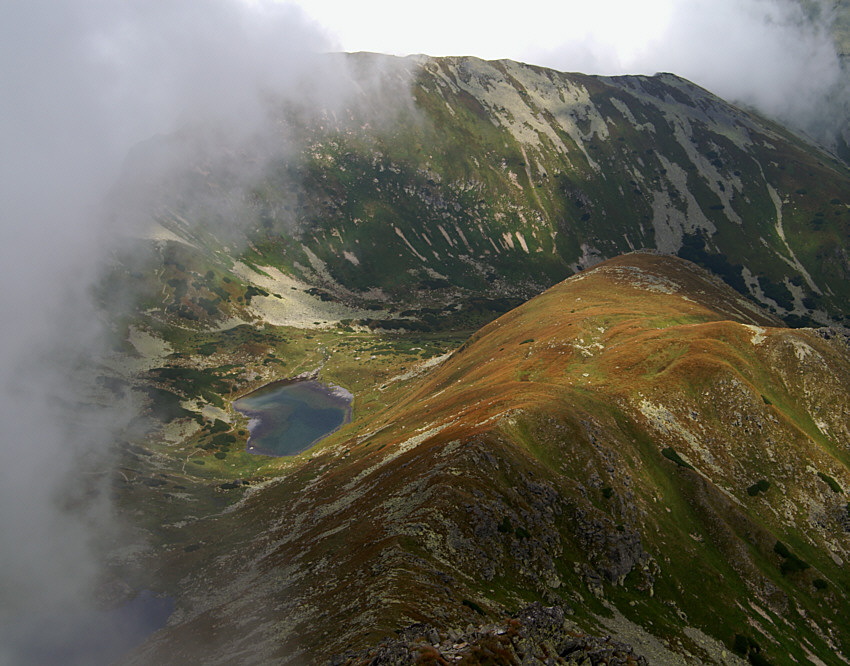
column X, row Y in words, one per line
column 639, row 443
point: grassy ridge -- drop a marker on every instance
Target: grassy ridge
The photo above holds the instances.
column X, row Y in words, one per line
column 531, row 465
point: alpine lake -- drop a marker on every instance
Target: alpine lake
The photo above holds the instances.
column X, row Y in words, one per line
column 288, row 417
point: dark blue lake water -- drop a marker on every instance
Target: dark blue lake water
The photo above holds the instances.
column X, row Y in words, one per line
column 288, row 418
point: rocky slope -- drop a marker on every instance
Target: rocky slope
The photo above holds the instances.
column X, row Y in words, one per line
column 455, row 181
column 537, row 635
column 639, row 442
column 607, row 447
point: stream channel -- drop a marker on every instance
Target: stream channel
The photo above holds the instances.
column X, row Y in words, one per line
column 289, row 417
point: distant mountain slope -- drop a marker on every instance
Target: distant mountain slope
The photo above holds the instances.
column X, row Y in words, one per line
column 449, row 179
column 841, row 34
column 638, row 442
column 838, row 102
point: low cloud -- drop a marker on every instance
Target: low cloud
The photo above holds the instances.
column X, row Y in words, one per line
column 83, row 81
column 774, row 55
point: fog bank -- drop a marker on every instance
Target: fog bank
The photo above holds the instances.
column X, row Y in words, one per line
column 83, row 81
column 777, row 56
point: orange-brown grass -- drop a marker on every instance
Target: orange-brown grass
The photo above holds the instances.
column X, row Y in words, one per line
column 528, row 356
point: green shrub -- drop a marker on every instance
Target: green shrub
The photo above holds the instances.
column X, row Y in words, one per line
column 820, row 583
column 777, row 291
column 165, row 405
column 505, row 526
column 740, row 645
column 832, row 483
column 221, row 455
column 694, row 249
column 759, row 486
column 792, row 565
column 223, row 439
column 473, row 606
column 252, row 291
column 607, row 492
column 791, row 562
column 747, row 647
column 210, row 307
column 671, row 454
column 521, row 533
column 219, row 426
column 198, row 462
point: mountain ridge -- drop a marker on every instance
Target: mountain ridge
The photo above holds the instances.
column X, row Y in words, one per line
column 580, row 463
column 497, row 179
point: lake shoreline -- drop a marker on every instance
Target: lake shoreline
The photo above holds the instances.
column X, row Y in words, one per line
column 298, row 418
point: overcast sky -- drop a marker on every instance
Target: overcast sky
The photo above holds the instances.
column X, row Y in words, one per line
column 489, row 29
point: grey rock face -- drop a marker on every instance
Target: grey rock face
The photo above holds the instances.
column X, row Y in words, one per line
column 536, row 635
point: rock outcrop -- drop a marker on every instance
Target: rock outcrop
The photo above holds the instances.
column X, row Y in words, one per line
column 536, row 635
